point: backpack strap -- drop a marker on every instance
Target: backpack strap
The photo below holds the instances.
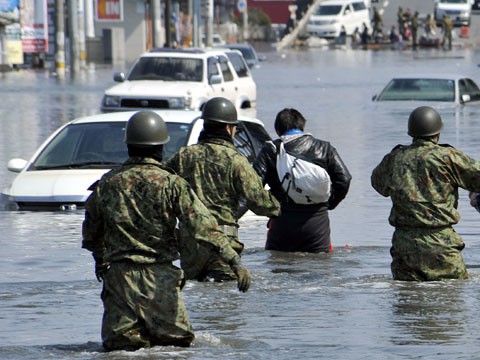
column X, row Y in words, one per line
column 286, row 177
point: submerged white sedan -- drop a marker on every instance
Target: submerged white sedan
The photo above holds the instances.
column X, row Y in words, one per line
column 60, row 172
column 453, row 89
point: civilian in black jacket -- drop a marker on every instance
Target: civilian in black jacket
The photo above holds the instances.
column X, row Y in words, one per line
column 303, row 228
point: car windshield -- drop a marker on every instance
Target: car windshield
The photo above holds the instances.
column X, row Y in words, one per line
column 167, row 69
column 326, row 10
column 419, row 90
column 247, row 53
column 357, row 6
column 98, row 145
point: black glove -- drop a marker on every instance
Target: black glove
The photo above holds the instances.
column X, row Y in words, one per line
column 101, row 268
column 243, row 275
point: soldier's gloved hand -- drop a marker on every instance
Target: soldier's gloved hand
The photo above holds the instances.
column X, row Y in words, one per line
column 243, row 275
column 101, row 268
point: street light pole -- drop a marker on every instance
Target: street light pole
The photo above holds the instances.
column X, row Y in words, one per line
column 168, row 21
column 157, row 24
column 81, row 34
column 73, row 35
column 208, row 23
column 60, row 39
column 196, row 23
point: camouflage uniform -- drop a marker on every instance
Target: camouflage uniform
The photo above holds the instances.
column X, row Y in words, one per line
column 220, row 176
column 447, row 25
column 423, row 180
column 130, row 224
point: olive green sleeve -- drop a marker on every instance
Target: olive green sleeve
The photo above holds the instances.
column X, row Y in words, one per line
column 197, row 220
column 249, row 184
column 93, row 228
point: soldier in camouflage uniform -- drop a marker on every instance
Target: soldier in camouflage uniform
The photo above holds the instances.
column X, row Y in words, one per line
column 422, row 179
column 129, row 227
column 221, row 177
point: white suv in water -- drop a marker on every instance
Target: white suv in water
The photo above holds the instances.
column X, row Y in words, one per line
column 331, row 16
column 182, row 79
column 458, row 10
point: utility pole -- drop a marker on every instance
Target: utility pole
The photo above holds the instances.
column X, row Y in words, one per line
column 3, row 50
column 73, row 36
column 243, row 9
column 196, row 23
column 157, row 24
column 245, row 23
column 168, row 20
column 81, row 34
column 208, row 22
column 89, row 28
column 89, row 24
column 60, row 39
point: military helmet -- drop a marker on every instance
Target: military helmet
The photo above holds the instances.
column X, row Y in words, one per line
column 221, row 110
column 424, row 121
column 146, row 128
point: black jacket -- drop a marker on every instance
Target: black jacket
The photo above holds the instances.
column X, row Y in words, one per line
column 308, row 148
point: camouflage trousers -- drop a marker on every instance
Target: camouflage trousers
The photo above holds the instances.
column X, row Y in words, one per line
column 427, row 254
column 143, row 307
column 200, row 262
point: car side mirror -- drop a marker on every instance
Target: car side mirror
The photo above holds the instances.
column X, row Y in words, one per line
column 16, row 165
column 374, row 97
column 119, row 77
column 215, row 79
column 466, row 98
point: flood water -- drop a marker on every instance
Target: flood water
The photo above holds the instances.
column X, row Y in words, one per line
column 342, row 305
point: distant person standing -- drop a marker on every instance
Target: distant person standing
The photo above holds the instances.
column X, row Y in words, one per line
column 422, row 180
column 414, row 28
column 365, row 36
column 301, row 227
column 377, row 22
column 447, row 28
column 394, row 36
column 400, row 19
column 430, row 26
column 356, row 38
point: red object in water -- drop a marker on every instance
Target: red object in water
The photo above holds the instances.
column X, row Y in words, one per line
column 464, row 31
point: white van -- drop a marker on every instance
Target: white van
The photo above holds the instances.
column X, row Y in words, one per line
column 331, row 16
column 458, row 10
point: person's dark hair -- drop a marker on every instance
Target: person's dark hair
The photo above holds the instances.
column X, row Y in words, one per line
column 154, row 152
column 215, row 129
column 214, row 126
column 428, row 138
column 288, row 119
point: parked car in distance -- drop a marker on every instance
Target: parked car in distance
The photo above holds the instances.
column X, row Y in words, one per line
column 179, row 79
column 458, row 10
column 450, row 89
column 216, row 40
column 58, row 175
column 331, row 16
column 248, row 52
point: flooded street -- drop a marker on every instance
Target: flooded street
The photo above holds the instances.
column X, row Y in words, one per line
column 342, row 305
